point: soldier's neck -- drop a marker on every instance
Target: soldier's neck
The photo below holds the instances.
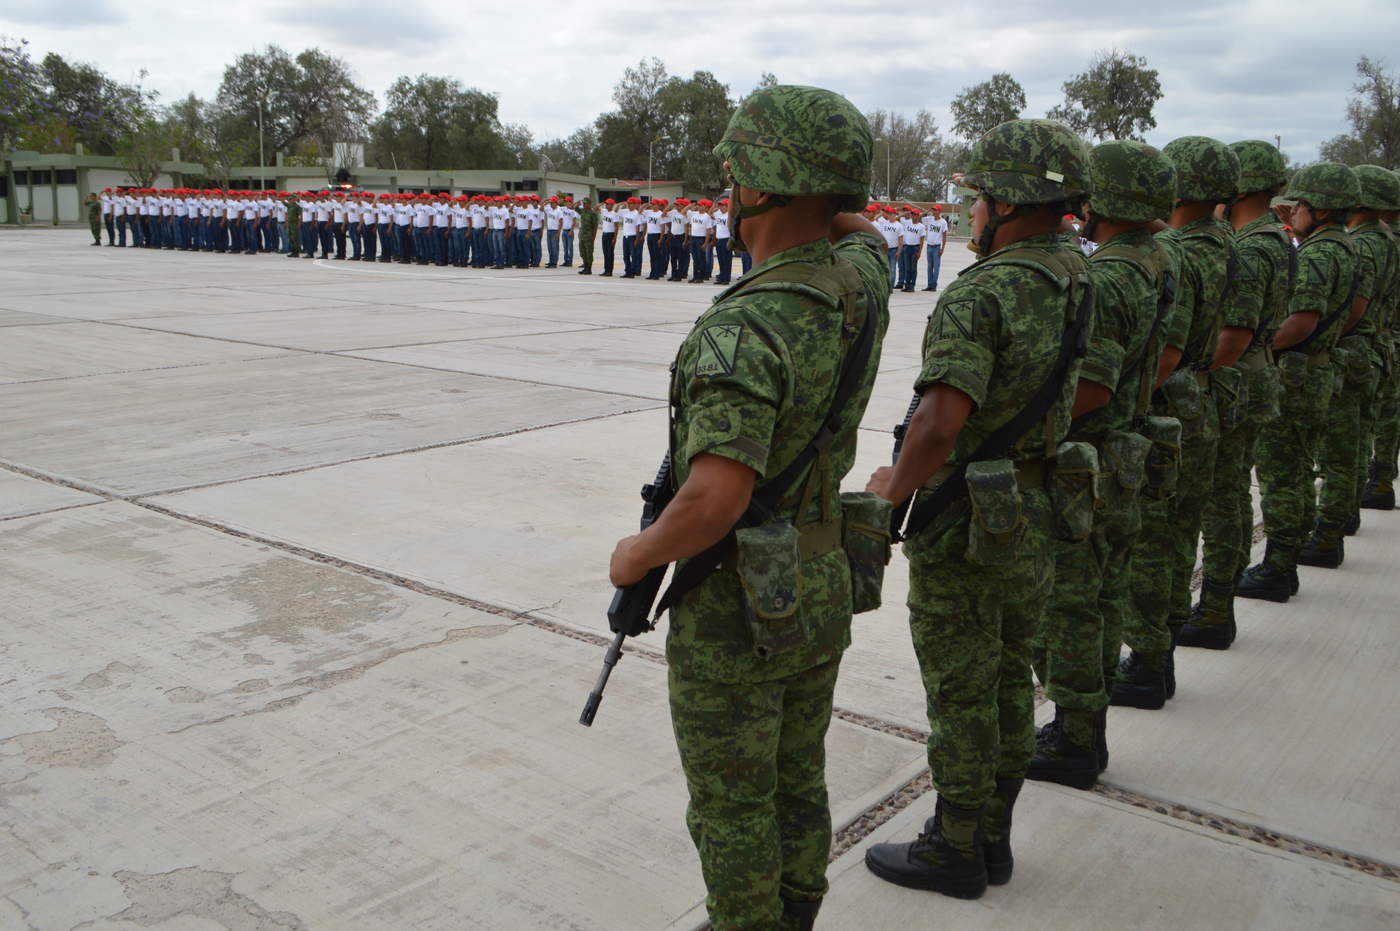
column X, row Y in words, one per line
column 1246, row 211
column 1188, row 212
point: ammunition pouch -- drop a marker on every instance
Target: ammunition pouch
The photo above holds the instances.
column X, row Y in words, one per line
column 1123, row 474
column 1185, row 401
column 1163, row 464
column 1360, row 374
column 1074, row 490
column 998, row 524
column 1293, row 370
column 865, row 522
column 1265, row 392
column 768, row 559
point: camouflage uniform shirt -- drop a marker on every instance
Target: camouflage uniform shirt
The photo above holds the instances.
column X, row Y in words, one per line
column 753, row 382
column 1261, row 279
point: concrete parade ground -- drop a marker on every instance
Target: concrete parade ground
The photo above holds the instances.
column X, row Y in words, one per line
column 303, row 573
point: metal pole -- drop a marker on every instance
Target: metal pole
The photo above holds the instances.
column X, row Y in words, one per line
column 262, row 180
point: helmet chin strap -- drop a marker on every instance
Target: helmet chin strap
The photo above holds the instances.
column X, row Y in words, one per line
column 738, row 211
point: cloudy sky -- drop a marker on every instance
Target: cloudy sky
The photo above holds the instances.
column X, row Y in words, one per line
column 1232, row 69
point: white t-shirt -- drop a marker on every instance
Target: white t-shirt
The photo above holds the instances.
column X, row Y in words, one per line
column 935, row 228
column 653, row 221
column 403, row 214
column 630, row 220
column 478, row 215
column 608, row 216
column 568, row 216
column 677, row 222
column 890, row 230
column 551, row 217
column 421, row 212
column 699, row 222
column 911, row 231
column 498, row 216
column 721, row 219
column 460, row 219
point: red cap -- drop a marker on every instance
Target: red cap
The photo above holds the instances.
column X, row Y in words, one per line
column 609, row 201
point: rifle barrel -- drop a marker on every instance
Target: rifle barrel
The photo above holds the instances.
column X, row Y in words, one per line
column 595, row 697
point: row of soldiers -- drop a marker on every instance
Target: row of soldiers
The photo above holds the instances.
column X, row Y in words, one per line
column 1080, row 423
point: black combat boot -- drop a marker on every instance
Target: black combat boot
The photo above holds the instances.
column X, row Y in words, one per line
column 1351, row 526
column 1064, row 752
column 996, row 849
column 1101, row 738
column 947, row 856
column 800, row 914
column 1324, row 548
column 1211, row 629
column 1141, row 682
column 1380, row 489
column 1274, row 578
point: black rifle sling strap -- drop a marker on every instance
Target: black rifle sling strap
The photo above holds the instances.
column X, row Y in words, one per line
column 1331, row 319
column 1276, row 232
column 766, row 497
column 1073, row 345
column 1165, row 283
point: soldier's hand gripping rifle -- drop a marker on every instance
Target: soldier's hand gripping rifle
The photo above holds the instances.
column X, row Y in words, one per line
column 901, row 509
column 629, row 613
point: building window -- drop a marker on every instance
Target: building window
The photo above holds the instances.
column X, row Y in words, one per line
column 21, row 178
column 40, row 177
column 530, row 185
column 67, row 176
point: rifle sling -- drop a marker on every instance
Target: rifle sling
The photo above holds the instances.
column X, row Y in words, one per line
column 1072, row 345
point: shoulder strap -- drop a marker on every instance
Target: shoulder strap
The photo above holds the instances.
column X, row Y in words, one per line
column 766, row 497
column 1073, row 344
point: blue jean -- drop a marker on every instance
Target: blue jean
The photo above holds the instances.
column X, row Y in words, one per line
column 386, row 240
column 567, row 237
column 726, row 260
column 609, row 246
column 935, row 259
column 745, row 262
column 324, row 229
column 680, row 256
column 401, row 241
column 552, row 239
column 481, row 248
column 498, row 248
column 894, row 265
column 352, row 232
column 909, row 266
column 697, row 258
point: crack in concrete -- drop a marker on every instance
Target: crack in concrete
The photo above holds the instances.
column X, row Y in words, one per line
column 157, row 898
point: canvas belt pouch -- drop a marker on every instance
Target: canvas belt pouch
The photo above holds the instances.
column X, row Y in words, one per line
column 768, row 560
column 1074, row 490
column 1357, row 362
column 1231, row 391
column 1123, row 474
column 865, row 520
column 1164, row 457
column 998, row 523
column 1182, row 392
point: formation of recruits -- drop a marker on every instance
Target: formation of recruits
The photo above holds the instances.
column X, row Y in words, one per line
column 480, row 231
column 687, row 239
column 1080, row 424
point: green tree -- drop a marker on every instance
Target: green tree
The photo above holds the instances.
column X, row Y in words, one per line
column 143, row 149
column 980, row 107
column 97, row 109
column 903, row 147
column 625, row 133
column 1374, row 115
column 434, row 122
column 696, row 111
column 310, row 98
column 1113, row 99
column 574, row 154
column 22, row 104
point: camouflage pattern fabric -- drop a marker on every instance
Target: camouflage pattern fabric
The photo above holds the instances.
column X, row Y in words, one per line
column 1206, row 169
column 1326, row 263
column 1325, row 185
column 1131, row 181
column 1029, row 162
column 1380, row 245
column 1383, row 426
column 753, row 382
column 94, row 213
column 1258, row 300
column 794, row 140
column 1076, row 653
column 587, row 228
column 294, row 225
column 1262, row 167
column 974, row 608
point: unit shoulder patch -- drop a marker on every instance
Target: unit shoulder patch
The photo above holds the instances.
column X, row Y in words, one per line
column 719, row 348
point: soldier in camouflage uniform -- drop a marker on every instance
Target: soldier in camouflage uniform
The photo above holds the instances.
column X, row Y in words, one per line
column 294, row 227
column 1364, row 344
column 980, row 573
column 1263, row 278
column 1076, row 656
column 1318, row 307
column 94, row 212
column 587, row 228
column 1207, row 174
column 1379, row 492
column 752, row 385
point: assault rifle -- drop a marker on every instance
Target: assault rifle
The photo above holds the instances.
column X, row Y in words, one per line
column 901, row 509
column 628, row 615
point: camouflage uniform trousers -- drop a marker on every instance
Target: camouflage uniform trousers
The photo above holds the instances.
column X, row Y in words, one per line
column 1164, row 556
column 1371, row 411
column 972, row 627
column 1284, row 459
column 1227, row 526
column 585, row 247
column 1081, row 634
column 1385, row 448
column 754, row 756
column 1338, row 451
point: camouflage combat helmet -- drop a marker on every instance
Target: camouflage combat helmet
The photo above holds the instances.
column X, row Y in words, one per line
column 1262, row 167
column 1326, row 186
column 1029, row 162
column 1380, row 189
column 796, row 140
column 1130, row 182
column 1206, row 169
